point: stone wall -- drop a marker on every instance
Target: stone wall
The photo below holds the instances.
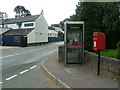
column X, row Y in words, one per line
column 61, row 53
column 110, row 66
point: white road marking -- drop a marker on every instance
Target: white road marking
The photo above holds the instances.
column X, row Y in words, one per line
column 21, row 53
column 11, row 77
column 19, row 73
column 33, row 67
column 48, row 53
column 24, row 71
column 7, row 56
column 0, row 82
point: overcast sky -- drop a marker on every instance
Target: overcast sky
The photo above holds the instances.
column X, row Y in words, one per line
column 54, row 10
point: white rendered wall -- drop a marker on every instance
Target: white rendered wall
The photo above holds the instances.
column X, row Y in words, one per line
column 13, row 26
column 31, row 37
column 41, row 30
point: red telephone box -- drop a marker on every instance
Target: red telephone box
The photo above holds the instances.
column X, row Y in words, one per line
column 74, row 42
column 98, row 41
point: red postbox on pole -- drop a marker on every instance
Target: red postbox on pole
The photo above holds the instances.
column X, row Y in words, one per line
column 98, row 41
column 98, row 44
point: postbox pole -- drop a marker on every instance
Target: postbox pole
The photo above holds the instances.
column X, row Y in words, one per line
column 98, row 62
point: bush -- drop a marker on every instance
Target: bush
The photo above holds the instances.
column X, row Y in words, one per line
column 118, row 49
column 112, row 53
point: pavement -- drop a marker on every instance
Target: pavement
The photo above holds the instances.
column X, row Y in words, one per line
column 75, row 75
column 8, row 47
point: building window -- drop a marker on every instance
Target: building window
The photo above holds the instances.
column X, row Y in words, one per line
column 28, row 24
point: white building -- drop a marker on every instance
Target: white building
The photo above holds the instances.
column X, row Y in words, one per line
column 53, row 35
column 58, row 29
column 52, row 32
column 34, row 27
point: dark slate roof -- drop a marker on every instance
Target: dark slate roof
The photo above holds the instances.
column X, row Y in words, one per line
column 18, row 32
column 20, row 19
column 51, row 28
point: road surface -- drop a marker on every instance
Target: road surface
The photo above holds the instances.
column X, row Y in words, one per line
column 20, row 66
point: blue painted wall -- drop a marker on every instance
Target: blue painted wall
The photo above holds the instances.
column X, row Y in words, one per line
column 18, row 41
column 9, row 41
column 53, row 39
column 14, row 41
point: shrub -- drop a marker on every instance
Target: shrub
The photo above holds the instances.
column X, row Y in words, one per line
column 112, row 53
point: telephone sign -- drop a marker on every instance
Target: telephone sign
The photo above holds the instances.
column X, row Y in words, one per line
column 75, row 26
column 74, row 42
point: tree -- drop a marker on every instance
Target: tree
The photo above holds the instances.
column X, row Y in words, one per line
column 26, row 13
column 21, row 11
column 111, row 24
column 88, row 15
column 17, row 10
column 54, row 25
column 99, row 17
